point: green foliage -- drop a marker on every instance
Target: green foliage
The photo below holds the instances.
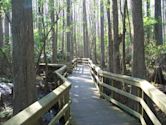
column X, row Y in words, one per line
column 5, row 5
column 149, row 21
column 6, row 51
column 152, row 52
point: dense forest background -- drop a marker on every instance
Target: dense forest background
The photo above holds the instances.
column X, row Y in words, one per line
column 122, row 36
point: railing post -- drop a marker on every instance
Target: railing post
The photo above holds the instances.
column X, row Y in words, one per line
column 100, row 86
column 67, row 98
column 142, row 109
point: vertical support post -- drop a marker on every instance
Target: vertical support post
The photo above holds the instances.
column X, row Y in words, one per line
column 100, row 86
column 67, row 98
column 142, row 109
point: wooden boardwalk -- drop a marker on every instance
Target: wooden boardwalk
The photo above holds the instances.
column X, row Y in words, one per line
column 87, row 108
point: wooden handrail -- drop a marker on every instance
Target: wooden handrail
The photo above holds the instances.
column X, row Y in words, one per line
column 34, row 112
column 154, row 94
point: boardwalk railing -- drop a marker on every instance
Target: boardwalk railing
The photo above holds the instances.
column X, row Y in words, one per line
column 32, row 114
column 136, row 96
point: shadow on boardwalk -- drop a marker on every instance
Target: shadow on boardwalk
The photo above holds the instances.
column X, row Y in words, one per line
column 87, row 108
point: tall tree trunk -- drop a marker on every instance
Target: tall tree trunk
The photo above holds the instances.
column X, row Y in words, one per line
column 1, row 31
column 158, row 25
column 138, row 69
column 116, row 54
column 74, row 32
column 128, row 18
column 94, row 33
column 72, row 35
column 85, row 31
column 56, row 41
column 148, row 15
column 63, row 32
column 102, row 33
column 110, row 41
column 23, row 54
column 7, row 28
column 138, row 43
column 53, row 31
column 163, row 19
column 124, row 39
column 69, row 30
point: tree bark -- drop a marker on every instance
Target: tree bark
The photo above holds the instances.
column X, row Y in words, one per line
column 63, row 32
column 116, row 54
column 23, row 54
column 7, row 28
column 54, row 52
column 68, row 30
column 158, row 25
column 102, row 34
column 85, row 31
column 138, row 69
column 148, row 15
column 72, row 34
column 1, row 31
column 124, row 39
column 94, row 33
column 110, row 41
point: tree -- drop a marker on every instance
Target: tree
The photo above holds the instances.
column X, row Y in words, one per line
column 148, row 15
column 23, row 54
column 68, row 30
column 102, row 33
column 63, row 31
column 1, row 30
column 94, row 32
column 85, row 31
column 110, row 41
column 124, row 38
column 116, row 55
column 138, row 69
column 7, row 28
column 54, row 48
column 158, row 25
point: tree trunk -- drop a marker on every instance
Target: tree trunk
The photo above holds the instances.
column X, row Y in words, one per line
column 138, row 69
column 1, row 31
column 102, row 34
column 94, row 33
column 116, row 54
column 85, row 31
column 68, row 31
column 72, row 35
column 63, row 32
column 23, row 54
column 56, row 42
column 124, row 38
column 7, row 28
column 148, row 15
column 110, row 41
column 53, row 32
column 158, row 25
column 138, row 44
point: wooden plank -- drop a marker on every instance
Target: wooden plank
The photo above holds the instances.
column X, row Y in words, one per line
column 51, row 65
